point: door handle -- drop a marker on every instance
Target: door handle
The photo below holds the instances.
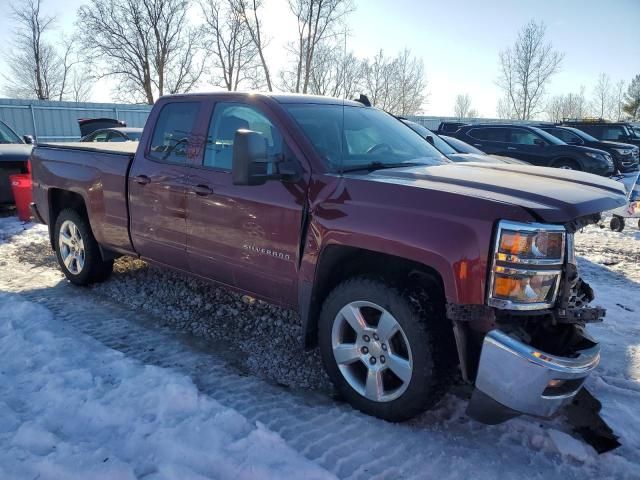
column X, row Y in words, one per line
column 141, row 179
column 477, row 144
column 202, row 190
column 511, row 148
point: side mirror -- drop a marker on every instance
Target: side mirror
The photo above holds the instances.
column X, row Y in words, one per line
column 429, row 139
column 538, row 142
column 28, row 139
column 251, row 165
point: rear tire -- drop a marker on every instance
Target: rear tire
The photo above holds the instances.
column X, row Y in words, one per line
column 395, row 363
column 77, row 250
column 567, row 164
column 616, row 224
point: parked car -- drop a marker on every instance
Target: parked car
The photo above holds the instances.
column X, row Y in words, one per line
column 454, row 154
column 121, row 134
column 535, row 146
column 606, row 131
column 402, row 265
column 446, row 128
column 89, row 125
column 14, row 154
column 624, row 155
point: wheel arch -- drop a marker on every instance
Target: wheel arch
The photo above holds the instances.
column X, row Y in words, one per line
column 339, row 262
column 562, row 158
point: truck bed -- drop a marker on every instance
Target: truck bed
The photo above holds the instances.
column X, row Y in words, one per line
column 96, row 172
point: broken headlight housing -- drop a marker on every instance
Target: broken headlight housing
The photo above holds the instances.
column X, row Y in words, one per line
column 527, row 265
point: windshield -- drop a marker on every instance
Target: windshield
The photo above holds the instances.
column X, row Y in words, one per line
column 581, row 134
column 353, row 137
column 7, row 135
column 424, row 132
column 548, row 137
column 460, row 146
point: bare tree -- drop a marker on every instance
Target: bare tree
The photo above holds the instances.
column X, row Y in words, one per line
column 526, row 69
column 571, row 105
column 317, row 22
column 472, row 113
column 602, row 96
column 410, row 84
column 234, row 51
column 81, row 85
column 504, row 109
column 378, row 75
column 35, row 68
column 397, row 85
column 335, row 73
column 147, row 45
column 249, row 12
column 462, row 106
column 618, row 100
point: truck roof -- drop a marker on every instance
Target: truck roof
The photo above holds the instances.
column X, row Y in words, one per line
column 284, row 98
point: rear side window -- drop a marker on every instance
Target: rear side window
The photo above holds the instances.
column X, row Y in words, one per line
column 613, row 133
column 565, row 135
column 594, row 130
column 227, row 119
column 489, row 134
column 172, row 131
column 520, row 136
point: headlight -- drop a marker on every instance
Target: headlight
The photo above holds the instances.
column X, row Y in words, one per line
column 594, row 155
column 622, row 151
column 526, row 266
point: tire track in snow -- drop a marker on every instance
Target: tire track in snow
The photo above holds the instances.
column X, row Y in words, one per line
column 339, row 439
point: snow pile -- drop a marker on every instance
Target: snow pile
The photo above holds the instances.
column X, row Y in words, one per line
column 72, row 408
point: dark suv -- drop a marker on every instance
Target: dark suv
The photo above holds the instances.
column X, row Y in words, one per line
column 624, row 155
column 607, row 131
column 535, row 146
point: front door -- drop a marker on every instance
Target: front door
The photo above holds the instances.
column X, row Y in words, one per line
column 244, row 236
column 528, row 146
column 158, row 184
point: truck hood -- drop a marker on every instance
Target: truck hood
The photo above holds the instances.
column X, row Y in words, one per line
column 550, row 194
column 15, row 152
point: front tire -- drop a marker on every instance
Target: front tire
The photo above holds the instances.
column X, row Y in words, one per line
column 77, row 250
column 567, row 164
column 381, row 351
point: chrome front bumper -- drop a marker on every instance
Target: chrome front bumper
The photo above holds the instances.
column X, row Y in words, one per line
column 518, row 378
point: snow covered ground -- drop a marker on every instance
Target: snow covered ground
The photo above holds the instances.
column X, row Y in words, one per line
column 155, row 375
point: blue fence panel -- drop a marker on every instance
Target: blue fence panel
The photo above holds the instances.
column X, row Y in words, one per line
column 58, row 121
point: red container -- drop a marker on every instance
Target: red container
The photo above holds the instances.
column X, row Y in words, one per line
column 21, row 186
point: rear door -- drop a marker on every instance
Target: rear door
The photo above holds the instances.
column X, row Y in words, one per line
column 245, row 236
column 158, row 184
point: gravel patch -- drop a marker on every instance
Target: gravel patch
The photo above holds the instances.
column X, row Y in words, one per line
column 263, row 338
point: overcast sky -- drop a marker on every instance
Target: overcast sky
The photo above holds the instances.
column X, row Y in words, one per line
column 457, row 41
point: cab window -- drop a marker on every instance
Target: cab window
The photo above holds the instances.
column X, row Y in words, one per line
column 489, row 134
column 226, row 120
column 172, row 132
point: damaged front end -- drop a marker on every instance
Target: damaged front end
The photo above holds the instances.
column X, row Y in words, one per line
column 529, row 352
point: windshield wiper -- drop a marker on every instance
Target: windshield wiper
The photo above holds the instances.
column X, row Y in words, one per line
column 373, row 166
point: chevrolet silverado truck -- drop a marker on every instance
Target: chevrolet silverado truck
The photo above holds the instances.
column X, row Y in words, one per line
column 407, row 270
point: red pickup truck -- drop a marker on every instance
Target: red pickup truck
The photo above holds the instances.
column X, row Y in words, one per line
column 404, row 267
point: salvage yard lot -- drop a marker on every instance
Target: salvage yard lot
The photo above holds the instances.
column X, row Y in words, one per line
column 155, row 375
